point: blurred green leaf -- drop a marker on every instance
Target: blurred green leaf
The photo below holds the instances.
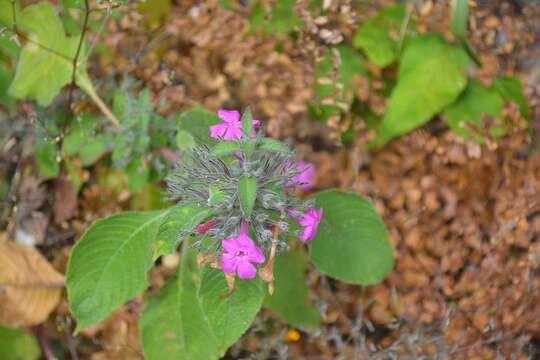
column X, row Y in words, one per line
column 138, row 174
column 8, row 11
column 510, row 89
column 466, row 115
column 379, row 36
column 42, row 72
column 155, row 11
column 431, row 75
column 16, row 344
column 6, row 76
column 273, row 145
column 197, row 122
column 290, row 298
column 334, row 81
column 460, row 17
column 224, row 148
column 46, row 156
column 351, row 244
column 280, row 18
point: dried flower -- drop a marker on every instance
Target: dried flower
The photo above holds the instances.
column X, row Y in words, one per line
column 240, row 253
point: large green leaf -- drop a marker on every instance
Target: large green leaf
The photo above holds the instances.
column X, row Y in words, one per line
column 290, row 297
column 247, row 192
column 173, row 324
column 43, row 69
column 186, row 321
column 465, row 115
column 178, row 220
column 231, row 316
column 197, row 123
column 109, row 265
column 15, row 344
column 432, row 74
column 352, row 244
column 379, row 36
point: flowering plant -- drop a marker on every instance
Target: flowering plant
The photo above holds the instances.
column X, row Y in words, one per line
column 237, row 217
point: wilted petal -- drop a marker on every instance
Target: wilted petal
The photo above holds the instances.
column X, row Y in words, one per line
column 246, row 270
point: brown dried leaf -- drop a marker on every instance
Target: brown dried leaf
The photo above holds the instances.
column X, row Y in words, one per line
column 30, row 287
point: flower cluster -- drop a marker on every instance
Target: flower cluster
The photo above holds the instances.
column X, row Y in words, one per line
column 249, row 220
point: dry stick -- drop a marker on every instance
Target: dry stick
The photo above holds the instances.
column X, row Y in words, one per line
column 76, row 58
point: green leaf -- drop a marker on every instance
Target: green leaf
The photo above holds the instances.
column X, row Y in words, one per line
column 6, row 76
column 337, row 87
column 247, row 121
column 510, row 89
column 379, row 36
column 460, row 17
column 281, row 18
column 475, row 102
column 155, row 11
column 15, row 344
column 8, row 11
column 247, row 192
column 48, row 167
column 231, row 316
column 290, row 298
column 43, row 70
column 109, row 265
column 224, row 148
column 81, row 140
column 179, row 219
column 273, row 145
column 352, row 244
column 173, row 324
column 432, row 74
column 197, row 122
column 184, row 140
column 138, row 174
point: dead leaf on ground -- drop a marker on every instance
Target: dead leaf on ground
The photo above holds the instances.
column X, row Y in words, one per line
column 30, row 287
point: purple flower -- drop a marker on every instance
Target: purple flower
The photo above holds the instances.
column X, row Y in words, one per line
column 239, row 254
column 231, row 128
column 310, row 222
column 304, row 180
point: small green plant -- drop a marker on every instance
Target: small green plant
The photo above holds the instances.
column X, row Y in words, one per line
column 431, row 79
column 237, row 221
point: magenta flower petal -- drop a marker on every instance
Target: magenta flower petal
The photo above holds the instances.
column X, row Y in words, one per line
column 256, row 124
column 228, row 263
column 218, row 130
column 229, row 245
column 239, row 254
column 310, row 222
column 229, row 116
column 304, row 180
column 257, row 256
column 246, row 270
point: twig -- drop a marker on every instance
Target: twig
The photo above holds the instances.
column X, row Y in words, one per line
column 76, row 58
column 99, row 32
